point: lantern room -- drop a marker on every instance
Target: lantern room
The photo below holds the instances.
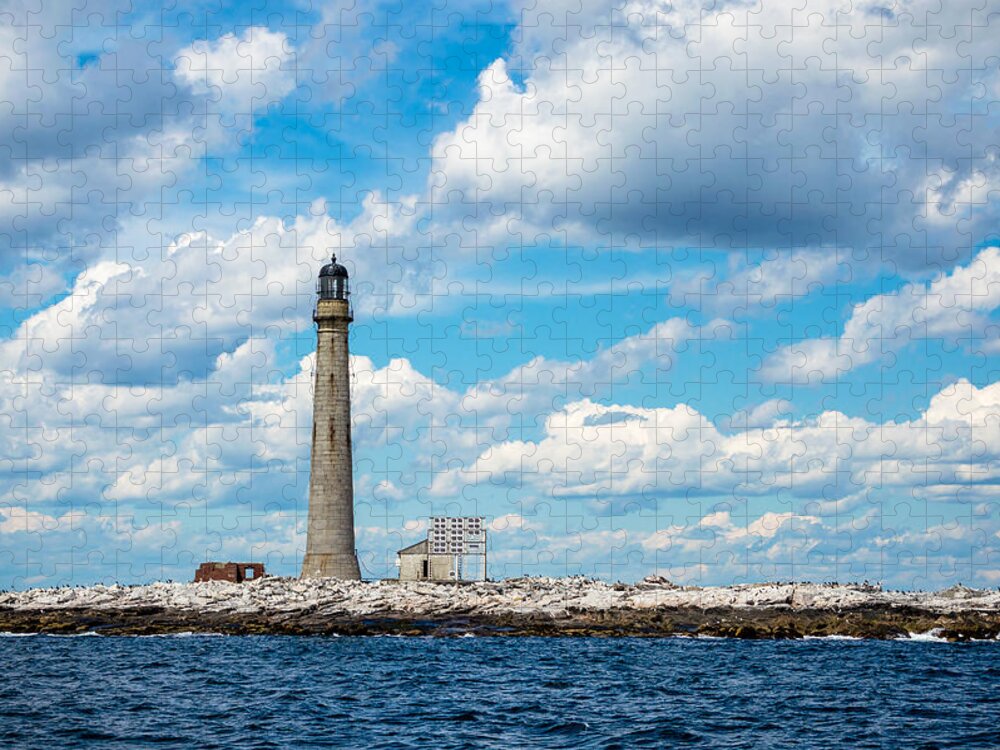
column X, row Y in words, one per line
column 333, row 281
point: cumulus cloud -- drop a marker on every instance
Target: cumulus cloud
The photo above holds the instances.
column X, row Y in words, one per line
column 528, row 391
column 170, row 317
column 736, row 125
column 648, row 453
column 14, row 519
column 98, row 137
column 953, row 307
column 755, row 288
column 240, row 74
column 237, row 441
column 162, row 385
column 213, row 424
column 774, row 534
column 172, row 395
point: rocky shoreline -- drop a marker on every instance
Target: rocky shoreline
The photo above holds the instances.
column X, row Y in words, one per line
column 520, row 607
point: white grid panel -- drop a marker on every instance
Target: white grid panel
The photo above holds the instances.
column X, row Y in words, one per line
column 457, row 535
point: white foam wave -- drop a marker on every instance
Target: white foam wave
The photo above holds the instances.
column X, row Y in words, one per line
column 832, row 638
column 931, row 636
column 182, row 634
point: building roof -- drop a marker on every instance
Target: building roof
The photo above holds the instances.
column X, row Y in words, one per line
column 333, row 268
column 420, row 548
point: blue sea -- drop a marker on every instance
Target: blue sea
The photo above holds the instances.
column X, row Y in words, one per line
column 389, row 692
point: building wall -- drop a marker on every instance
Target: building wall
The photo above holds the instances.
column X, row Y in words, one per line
column 440, row 566
column 411, row 567
column 232, row 572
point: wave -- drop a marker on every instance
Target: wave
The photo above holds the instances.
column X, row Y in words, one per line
column 931, row 636
column 832, row 638
column 182, row 634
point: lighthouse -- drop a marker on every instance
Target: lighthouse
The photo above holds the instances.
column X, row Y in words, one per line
column 330, row 551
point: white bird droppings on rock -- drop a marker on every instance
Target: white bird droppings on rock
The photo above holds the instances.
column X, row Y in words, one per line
column 542, row 595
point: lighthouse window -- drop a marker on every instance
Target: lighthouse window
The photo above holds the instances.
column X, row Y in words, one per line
column 333, row 287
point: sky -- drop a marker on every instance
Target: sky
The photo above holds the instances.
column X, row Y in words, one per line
column 708, row 290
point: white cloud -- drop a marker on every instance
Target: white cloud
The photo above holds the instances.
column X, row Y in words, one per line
column 161, row 370
column 15, row 519
column 528, row 391
column 952, row 308
column 90, row 148
column 240, row 74
column 756, row 288
column 658, row 452
column 168, row 318
column 447, row 441
column 739, row 124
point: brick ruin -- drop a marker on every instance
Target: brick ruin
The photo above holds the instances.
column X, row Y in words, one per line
column 229, row 571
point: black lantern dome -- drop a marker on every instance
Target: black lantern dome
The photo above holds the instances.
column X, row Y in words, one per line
column 333, row 281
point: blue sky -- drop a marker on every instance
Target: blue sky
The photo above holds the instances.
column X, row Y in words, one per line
column 705, row 292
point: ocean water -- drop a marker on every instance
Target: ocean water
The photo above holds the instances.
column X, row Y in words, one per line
column 385, row 692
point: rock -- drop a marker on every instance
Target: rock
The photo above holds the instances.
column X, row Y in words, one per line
column 542, row 606
column 959, row 591
column 655, row 582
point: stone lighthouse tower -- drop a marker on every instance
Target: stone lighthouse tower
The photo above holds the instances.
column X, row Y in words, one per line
column 330, row 536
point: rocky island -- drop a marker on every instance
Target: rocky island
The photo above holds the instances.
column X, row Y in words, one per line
column 575, row 606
